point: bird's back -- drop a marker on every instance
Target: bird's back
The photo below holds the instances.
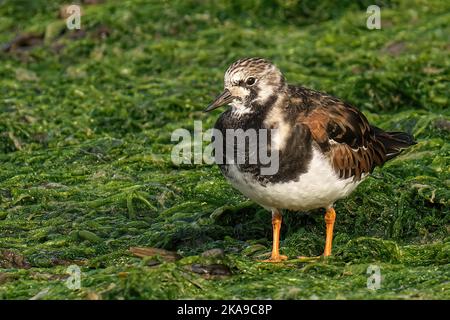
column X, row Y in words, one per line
column 344, row 134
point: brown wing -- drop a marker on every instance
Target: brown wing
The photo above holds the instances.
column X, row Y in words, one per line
column 344, row 134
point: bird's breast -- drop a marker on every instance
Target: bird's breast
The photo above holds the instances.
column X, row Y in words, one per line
column 282, row 152
column 318, row 187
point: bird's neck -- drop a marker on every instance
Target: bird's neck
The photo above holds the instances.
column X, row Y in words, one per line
column 258, row 108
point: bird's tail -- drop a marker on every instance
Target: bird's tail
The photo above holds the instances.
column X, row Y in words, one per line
column 394, row 142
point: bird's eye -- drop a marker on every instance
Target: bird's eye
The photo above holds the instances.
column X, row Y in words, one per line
column 250, row 81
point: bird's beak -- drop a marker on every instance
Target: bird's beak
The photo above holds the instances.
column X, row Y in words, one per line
column 224, row 98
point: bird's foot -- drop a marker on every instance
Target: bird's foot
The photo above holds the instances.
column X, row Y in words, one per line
column 275, row 259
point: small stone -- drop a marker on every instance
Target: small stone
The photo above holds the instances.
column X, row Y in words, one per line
column 26, row 75
column 395, row 48
column 198, row 268
column 93, row 296
column 10, row 259
column 213, row 253
column 442, row 124
column 219, row 270
column 152, row 262
column 168, row 256
column 211, row 270
column 6, row 277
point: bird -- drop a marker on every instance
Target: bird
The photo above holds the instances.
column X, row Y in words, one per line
column 326, row 146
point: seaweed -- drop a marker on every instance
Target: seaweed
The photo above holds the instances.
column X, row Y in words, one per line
column 85, row 169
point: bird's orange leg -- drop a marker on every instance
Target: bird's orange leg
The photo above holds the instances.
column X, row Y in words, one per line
column 276, row 226
column 330, row 216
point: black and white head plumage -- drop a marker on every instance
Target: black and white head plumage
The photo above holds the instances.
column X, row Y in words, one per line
column 253, row 80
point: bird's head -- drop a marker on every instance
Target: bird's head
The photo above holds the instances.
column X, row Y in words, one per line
column 249, row 83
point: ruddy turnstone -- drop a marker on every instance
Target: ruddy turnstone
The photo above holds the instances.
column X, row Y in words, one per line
column 326, row 147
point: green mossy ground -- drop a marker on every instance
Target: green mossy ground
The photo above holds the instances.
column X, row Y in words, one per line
column 85, row 169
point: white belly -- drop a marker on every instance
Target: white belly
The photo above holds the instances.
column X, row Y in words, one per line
column 319, row 187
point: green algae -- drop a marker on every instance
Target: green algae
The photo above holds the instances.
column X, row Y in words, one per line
column 85, row 170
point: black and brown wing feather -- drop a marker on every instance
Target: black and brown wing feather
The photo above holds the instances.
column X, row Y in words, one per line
column 344, row 134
